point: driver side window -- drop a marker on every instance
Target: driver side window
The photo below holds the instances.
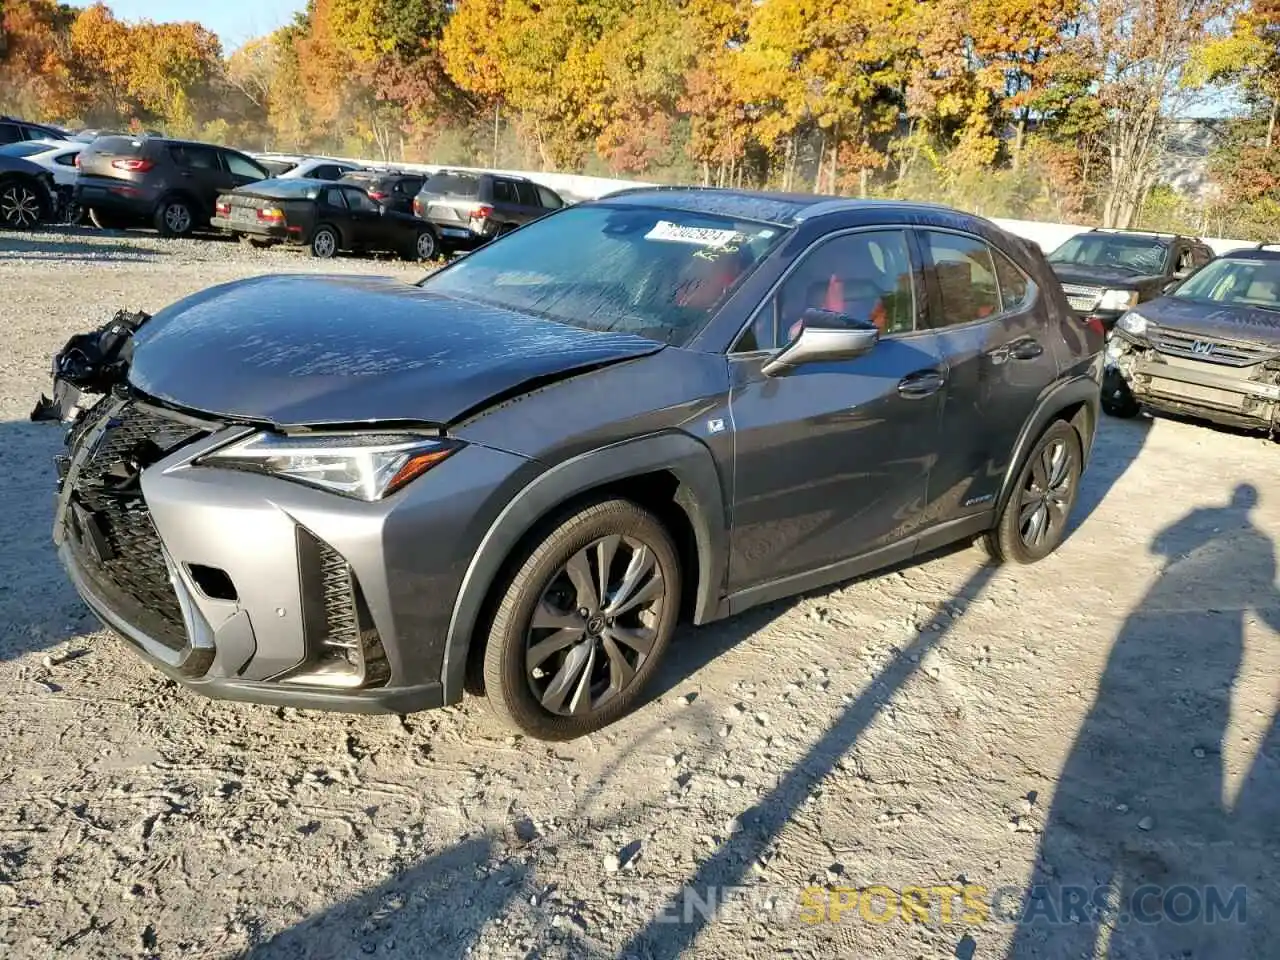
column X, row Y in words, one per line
column 867, row 277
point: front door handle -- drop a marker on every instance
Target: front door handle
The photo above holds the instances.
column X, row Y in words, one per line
column 917, row 386
column 1027, row 349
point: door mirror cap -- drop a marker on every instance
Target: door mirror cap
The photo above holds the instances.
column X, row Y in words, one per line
column 824, row 335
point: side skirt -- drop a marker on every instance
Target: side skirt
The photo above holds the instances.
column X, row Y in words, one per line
column 878, row 559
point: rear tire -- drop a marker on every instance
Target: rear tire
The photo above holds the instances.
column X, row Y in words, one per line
column 324, row 243
column 21, row 205
column 174, row 217
column 425, row 247
column 565, row 657
column 1034, row 521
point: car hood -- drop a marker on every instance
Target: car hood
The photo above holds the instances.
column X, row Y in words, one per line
column 1215, row 320
column 308, row 350
column 1108, row 277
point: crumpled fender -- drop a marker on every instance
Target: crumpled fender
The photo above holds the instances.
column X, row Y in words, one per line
column 92, row 362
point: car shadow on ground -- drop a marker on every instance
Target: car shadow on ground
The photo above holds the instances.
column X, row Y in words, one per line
column 64, row 243
column 38, row 606
column 1160, row 841
column 729, row 864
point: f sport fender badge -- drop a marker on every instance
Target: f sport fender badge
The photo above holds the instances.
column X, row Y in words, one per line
column 715, row 426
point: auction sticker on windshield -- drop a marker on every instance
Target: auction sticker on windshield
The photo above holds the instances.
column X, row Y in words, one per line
column 699, row 236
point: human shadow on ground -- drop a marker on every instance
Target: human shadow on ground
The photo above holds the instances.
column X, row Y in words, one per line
column 1143, row 853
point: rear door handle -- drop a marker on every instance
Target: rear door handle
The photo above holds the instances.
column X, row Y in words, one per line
column 919, row 385
column 1024, row 349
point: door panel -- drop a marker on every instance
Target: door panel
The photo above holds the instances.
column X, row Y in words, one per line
column 832, row 459
column 997, row 368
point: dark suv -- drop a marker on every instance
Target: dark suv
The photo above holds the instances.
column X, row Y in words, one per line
column 1106, row 272
column 169, row 184
column 13, row 130
column 518, row 475
column 467, row 209
column 394, row 189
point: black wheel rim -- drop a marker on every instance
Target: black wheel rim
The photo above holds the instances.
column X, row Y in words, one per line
column 1046, row 496
column 594, row 626
column 19, row 207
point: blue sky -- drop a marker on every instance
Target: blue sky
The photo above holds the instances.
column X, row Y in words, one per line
column 235, row 21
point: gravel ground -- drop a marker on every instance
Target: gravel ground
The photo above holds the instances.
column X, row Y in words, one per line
column 1102, row 720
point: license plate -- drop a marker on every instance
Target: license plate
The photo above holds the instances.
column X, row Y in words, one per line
column 452, row 232
column 244, row 214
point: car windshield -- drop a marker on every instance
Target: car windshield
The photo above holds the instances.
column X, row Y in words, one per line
column 1137, row 255
column 643, row 270
column 26, row 148
column 1243, row 282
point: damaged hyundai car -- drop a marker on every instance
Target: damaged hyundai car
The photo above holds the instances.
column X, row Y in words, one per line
column 517, row 476
column 1210, row 348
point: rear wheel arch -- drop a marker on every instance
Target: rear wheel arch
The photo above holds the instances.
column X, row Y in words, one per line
column 671, row 475
column 196, row 209
column 1076, row 401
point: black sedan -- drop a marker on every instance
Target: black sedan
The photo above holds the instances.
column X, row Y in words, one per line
column 326, row 217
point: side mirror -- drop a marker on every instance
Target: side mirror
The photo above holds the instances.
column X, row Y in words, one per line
column 824, row 335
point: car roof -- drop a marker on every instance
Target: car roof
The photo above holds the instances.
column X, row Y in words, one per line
column 783, row 209
column 1270, row 251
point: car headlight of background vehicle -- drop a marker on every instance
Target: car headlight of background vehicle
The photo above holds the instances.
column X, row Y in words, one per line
column 365, row 466
column 1133, row 323
column 1118, row 299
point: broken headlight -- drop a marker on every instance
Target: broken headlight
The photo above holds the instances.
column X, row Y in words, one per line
column 367, row 466
column 1118, row 300
column 1133, row 323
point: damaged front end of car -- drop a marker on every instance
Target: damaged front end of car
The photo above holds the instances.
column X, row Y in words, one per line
column 90, row 364
column 1234, row 382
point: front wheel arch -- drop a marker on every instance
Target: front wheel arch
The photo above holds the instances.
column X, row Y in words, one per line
column 634, row 470
column 1077, row 401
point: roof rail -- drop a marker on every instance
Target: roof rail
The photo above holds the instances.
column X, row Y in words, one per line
column 1144, row 233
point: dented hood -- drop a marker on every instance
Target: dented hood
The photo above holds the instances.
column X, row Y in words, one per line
column 307, row 350
column 1209, row 320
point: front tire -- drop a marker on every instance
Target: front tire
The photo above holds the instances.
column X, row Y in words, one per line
column 1117, row 398
column 324, row 243
column 21, row 206
column 583, row 622
column 1034, row 521
column 174, row 218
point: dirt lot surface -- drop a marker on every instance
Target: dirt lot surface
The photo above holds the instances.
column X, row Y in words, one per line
column 1102, row 721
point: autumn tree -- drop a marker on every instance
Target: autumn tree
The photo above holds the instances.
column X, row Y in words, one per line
column 1248, row 56
column 35, row 55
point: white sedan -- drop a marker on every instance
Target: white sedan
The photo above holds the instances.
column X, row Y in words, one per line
column 287, row 166
column 56, row 156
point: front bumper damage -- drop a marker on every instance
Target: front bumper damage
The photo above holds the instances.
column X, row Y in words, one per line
column 1235, row 383
column 249, row 587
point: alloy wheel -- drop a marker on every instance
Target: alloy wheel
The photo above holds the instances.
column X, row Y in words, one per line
column 426, row 245
column 1046, row 497
column 177, row 218
column 19, row 206
column 594, row 625
column 324, row 244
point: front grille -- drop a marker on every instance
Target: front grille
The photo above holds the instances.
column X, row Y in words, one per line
column 1231, row 353
column 108, row 488
column 1082, row 297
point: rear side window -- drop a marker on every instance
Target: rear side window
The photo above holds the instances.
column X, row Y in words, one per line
column 194, row 157
column 357, row 199
column 549, row 199
column 335, row 197
column 527, row 194
column 326, row 172
column 504, row 191
column 1016, row 290
column 65, row 159
column 965, row 275
column 244, row 167
column 408, row 188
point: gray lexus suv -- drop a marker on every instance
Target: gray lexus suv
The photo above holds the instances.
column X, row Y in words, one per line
column 516, row 476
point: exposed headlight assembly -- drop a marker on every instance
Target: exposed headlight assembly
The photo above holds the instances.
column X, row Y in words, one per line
column 1118, row 300
column 1133, row 323
column 367, row 466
